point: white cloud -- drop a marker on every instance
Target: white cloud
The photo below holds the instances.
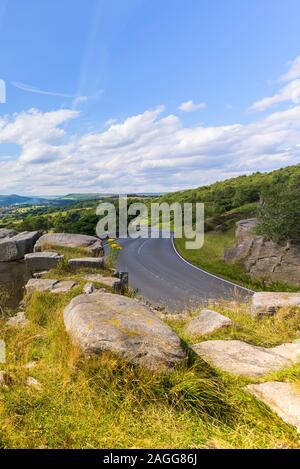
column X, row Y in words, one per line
column 190, row 106
column 294, row 70
column 33, row 89
column 146, row 152
column 288, row 93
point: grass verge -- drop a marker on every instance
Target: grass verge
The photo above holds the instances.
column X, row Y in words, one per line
column 210, row 258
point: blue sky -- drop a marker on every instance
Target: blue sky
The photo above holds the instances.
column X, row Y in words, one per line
column 146, row 95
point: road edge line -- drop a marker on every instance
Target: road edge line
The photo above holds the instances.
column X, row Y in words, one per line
column 205, row 271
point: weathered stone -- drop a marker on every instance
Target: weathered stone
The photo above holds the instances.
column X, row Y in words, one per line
column 238, row 253
column 41, row 285
column 268, row 303
column 15, row 248
column 87, row 263
column 112, row 282
column 244, row 230
column 106, row 322
column 91, row 244
column 282, row 398
column 7, row 233
column 19, row 320
column 33, row 383
column 63, row 286
column 265, row 259
column 290, row 351
column 89, row 288
column 42, row 261
column 240, row 358
column 51, row 285
column 206, row 322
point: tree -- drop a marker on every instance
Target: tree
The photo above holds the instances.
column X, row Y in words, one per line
column 279, row 217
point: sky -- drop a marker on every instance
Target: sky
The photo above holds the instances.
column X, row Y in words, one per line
column 145, row 95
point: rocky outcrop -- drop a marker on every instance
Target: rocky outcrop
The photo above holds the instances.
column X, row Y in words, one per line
column 91, row 244
column 263, row 258
column 242, row 359
column 115, row 283
column 207, row 322
column 7, row 233
column 87, row 263
column 106, row 322
column 50, row 285
column 42, row 261
column 15, row 247
column 268, row 303
column 244, row 230
column 282, row 398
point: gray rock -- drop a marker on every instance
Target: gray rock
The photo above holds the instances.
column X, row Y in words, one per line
column 282, row 398
column 290, row 351
column 42, row 261
column 33, row 383
column 106, row 322
column 18, row 321
column 206, row 322
column 87, row 263
column 244, row 230
column 7, row 233
column 268, row 303
column 89, row 288
column 91, row 244
column 112, row 282
column 15, row 248
column 64, row 286
column 51, row 285
column 240, row 358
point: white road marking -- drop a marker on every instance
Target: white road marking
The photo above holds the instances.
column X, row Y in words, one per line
column 205, row 272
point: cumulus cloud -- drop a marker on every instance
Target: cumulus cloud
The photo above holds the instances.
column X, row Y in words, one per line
column 289, row 92
column 190, row 106
column 147, row 152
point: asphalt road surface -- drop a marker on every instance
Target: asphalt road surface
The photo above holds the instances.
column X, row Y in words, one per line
column 159, row 274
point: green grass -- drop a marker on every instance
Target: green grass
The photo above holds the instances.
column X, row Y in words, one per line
column 67, row 252
column 210, row 258
column 104, row 402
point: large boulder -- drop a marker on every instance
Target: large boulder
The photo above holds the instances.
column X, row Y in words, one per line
column 7, row 233
column 42, row 261
column 106, row 322
column 263, row 258
column 15, row 248
column 112, row 282
column 91, row 244
column 207, row 322
column 242, row 359
column 50, row 285
column 268, row 303
column 282, row 398
column 87, row 263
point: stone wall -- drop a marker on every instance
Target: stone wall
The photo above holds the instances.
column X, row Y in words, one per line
column 263, row 258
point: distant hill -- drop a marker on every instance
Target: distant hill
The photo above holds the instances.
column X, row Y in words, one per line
column 14, row 199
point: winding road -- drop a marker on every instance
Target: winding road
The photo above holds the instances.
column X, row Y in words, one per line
column 159, row 274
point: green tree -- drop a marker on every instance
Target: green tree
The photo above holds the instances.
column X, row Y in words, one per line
column 279, row 217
